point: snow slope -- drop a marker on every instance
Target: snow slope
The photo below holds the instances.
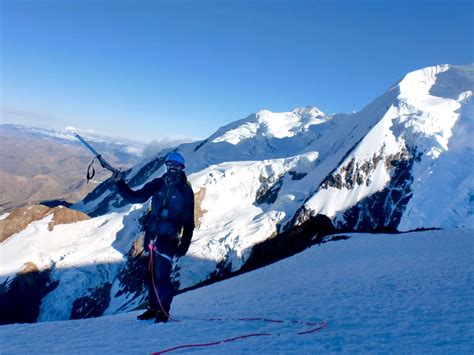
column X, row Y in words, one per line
column 379, row 293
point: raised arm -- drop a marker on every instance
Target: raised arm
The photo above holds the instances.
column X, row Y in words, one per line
column 138, row 196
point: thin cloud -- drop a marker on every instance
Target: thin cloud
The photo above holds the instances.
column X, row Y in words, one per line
column 21, row 116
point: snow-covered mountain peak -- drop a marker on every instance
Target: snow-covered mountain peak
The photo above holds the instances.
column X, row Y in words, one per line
column 308, row 111
column 268, row 125
column 419, row 82
column 446, row 81
column 429, row 105
column 310, row 115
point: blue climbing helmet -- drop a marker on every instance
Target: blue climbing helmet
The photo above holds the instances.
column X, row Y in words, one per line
column 175, row 157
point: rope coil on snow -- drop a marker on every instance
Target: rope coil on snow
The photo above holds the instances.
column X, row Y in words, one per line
column 317, row 327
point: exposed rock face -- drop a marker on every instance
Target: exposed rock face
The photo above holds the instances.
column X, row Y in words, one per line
column 92, row 305
column 198, row 211
column 20, row 218
column 289, row 242
column 296, row 176
column 383, row 210
column 63, row 215
column 271, row 186
column 268, row 191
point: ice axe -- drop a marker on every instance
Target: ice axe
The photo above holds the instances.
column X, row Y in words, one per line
column 105, row 164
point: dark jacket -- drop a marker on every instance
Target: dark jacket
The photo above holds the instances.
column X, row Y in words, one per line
column 172, row 212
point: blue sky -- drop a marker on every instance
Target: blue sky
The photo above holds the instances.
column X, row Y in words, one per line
column 181, row 69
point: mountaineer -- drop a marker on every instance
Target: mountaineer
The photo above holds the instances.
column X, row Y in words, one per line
column 168, row 226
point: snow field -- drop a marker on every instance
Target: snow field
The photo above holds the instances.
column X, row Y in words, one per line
column 379, row 293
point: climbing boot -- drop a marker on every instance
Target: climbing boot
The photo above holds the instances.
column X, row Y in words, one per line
column 148, row 314
column 161, row 317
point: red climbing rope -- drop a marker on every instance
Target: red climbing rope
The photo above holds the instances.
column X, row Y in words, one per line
column 316, row 327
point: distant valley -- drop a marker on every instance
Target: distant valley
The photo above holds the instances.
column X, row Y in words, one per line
column 39, row 165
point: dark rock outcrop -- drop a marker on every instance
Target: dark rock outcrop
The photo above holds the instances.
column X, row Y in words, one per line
column 289, row 242
column 20, row 298
column 268, row 190
column 383, row 210
column 93, row 304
